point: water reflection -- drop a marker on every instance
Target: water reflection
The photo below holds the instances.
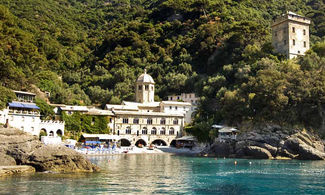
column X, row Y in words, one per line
column 149, row 173
column 167, row 174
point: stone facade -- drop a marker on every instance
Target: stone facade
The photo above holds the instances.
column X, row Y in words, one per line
column 290, row 34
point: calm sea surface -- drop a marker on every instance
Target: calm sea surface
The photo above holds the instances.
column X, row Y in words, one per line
column 168, row 174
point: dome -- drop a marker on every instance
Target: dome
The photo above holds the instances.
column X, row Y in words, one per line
column 145, row 78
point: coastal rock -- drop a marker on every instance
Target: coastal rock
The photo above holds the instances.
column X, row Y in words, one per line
column 257, row 152
column 221, row 149
column 274, row 142
column 25, row 149
column 6, row 160
column 13, row 170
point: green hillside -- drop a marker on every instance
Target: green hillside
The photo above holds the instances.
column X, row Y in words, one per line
column 91, row 52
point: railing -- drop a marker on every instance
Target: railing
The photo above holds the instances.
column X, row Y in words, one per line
column 24, row 112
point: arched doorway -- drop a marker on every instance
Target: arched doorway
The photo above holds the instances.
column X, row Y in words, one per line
column 173, row 143
column 125, row 142
column 140, row 143
column 159, row 142
column 59, row 132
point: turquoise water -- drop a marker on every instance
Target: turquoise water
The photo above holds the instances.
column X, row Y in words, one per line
column 167, row 174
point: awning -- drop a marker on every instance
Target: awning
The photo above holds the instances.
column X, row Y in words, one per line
column 92, row 142
column 101, row 136
column 228, row 130
column 186, row 138
column 23, row 105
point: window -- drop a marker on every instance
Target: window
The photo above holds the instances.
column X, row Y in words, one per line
column 171, row 131
column 304, row 31
column 175, row 107
column 110, row 120
column 136, row 121
column 163, row 121
column 293, row 29
column 32, row 128
column 140, row 87
column 152, row 88
column 125, row 120
column 144, row 131
column 175, row 121
column 298, row 51
column 275, row 34
column 149, row 121
column 170, row 107
column 305, row 45
column 177, row 97
column 128, row 130
column 293, row 42
column 162, row 131
column 146, row 87
column 153, row 131
column 23, row 119
column 284, row 41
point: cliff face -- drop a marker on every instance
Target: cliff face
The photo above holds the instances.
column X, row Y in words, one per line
column 272, row 142
column 19, row 148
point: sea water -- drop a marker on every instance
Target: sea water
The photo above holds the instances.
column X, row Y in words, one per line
column 169, row 174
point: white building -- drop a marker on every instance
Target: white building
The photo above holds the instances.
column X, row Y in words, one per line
column 189, row 98
column 24, row 115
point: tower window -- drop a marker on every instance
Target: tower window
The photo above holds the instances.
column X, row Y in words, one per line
column 293, row 29
column 275, row 34
column 305, row 45
column 146, row 87
column 293, row 42
column 140, row 87
column 152, row 88
column 304, row 31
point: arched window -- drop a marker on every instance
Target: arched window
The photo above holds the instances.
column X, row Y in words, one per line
column 171, row 131
column 153, row 131
column 175, row 121
column 128, row 130
column 144, row 131
column 162, row 131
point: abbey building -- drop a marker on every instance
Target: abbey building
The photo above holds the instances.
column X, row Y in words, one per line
column 146, row 121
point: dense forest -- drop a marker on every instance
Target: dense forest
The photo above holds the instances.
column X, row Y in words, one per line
column 91, row 52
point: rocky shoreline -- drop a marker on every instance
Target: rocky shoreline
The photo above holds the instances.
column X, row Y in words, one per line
column 20, row 148
column 271, row 142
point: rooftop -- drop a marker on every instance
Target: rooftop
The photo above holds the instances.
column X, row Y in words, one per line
column 145, row 78
column 25, row 93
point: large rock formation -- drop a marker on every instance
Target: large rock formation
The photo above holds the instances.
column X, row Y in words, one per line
column 20, row 148
column 272, row 142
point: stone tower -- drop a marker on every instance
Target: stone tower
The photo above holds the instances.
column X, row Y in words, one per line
column 145, row 88
column 290, row 34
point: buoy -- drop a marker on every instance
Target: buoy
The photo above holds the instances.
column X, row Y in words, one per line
column 224, row 157
column 235, row 162
column 250, row 163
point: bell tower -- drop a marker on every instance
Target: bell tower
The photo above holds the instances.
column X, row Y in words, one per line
column 145, row 88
